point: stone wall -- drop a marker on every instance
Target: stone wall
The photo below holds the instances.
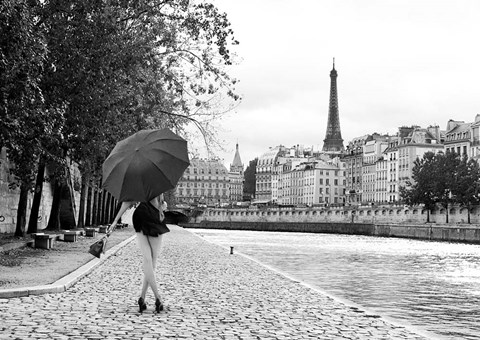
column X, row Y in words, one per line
column 388, row 214
column 447, row 233
column 389, row 220
column 9, row 200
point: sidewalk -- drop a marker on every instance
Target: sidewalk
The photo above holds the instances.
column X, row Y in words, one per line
column 208, row 294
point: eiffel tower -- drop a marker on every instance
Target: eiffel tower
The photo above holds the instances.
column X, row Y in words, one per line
column 333, row 142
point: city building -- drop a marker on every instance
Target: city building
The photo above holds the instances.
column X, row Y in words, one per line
column 373, row 168
column 353, row 158
column 413, row 143
column 204, row 182
column 392, row 166
column 463, row 138
column 313, row 183
column 289, row 159
column 264, row 172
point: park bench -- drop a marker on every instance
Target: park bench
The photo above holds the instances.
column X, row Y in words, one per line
column 44, row 241
column 91, row 232
column 71, row 235
column 103, row 229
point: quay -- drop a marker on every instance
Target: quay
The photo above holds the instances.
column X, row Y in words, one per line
column 208, row 293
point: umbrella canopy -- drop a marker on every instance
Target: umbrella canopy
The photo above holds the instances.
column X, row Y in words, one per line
column 145, row 165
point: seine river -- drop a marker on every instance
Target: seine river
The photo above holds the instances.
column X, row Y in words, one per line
column 433, row 286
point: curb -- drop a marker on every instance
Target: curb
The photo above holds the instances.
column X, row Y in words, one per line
column 68, row 280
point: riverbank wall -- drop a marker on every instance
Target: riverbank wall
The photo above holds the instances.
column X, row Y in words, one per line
column 445, row 233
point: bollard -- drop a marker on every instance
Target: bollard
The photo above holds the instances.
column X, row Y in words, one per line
column 231, row 250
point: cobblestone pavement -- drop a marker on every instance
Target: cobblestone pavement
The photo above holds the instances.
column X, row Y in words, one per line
column 208, row 294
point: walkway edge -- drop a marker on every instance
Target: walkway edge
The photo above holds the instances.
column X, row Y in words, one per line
column 68, row 280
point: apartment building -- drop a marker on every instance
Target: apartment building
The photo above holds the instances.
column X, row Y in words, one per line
column 205, row 181
column 264, row 172
column 353, row 159
column 391, row 157
column 417, row 142
column 314, row 182
column 372, row 171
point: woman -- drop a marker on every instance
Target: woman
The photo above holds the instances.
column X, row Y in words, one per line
column 149, row 226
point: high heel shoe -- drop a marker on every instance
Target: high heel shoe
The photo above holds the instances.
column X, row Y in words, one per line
column 141, row 305
column 158, row 306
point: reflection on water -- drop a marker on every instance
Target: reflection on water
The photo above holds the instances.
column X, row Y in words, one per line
column 434, row 286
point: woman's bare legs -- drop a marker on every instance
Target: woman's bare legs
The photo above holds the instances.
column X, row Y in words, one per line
column 150, row 247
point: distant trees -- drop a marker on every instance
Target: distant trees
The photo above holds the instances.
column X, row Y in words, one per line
column 443, row 179
column 249, row 176
column 76, row 76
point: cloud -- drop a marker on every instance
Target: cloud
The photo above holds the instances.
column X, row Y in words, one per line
column 411, row 62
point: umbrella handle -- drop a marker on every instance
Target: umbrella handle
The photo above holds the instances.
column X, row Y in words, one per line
column 111, row 229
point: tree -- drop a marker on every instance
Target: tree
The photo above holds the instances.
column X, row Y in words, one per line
column 25, row 126
column 446, row 167
column 422, row 189
column 443, row 179
column 249, row 176
column 125, row 66
column 465, row 190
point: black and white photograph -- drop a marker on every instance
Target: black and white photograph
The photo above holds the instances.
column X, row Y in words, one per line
column 240, row 170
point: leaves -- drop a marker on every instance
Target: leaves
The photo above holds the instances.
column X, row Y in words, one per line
column 442, row 179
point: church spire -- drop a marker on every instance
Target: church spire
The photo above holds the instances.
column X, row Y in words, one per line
column 237, row 165
column 333, row 141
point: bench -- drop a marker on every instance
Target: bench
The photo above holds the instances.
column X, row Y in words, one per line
column 103, row 229
column 91, row 232
column 44, row 241
column 71, row 236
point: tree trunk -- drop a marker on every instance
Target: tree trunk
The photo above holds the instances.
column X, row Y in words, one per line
column 54, row 220
column 22, row 211
column 468, row 214
column 108, row 207
column 81, row 208
column 88, row 212
column 428, row 216
column 37, row 197
column 446, row 213
column 95, row 207
column 101, row 204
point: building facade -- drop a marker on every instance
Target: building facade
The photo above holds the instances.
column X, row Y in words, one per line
column 373, row 181
column 312, row 183
column 204, row 182
column 264, row 172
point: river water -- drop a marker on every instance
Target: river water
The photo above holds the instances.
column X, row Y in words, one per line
column 434, row 286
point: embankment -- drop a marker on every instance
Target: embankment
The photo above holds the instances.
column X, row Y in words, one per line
column 446, row 233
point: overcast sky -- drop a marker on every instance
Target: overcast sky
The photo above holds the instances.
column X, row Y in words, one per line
column 402, row 62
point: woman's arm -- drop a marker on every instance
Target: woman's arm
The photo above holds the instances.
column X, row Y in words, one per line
column 123, row 208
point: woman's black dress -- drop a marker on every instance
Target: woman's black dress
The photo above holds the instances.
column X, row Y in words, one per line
column 146, row 219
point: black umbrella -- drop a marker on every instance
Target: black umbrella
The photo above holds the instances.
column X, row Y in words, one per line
column 145, row 165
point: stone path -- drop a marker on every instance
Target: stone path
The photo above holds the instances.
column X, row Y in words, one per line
column 208, row 294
